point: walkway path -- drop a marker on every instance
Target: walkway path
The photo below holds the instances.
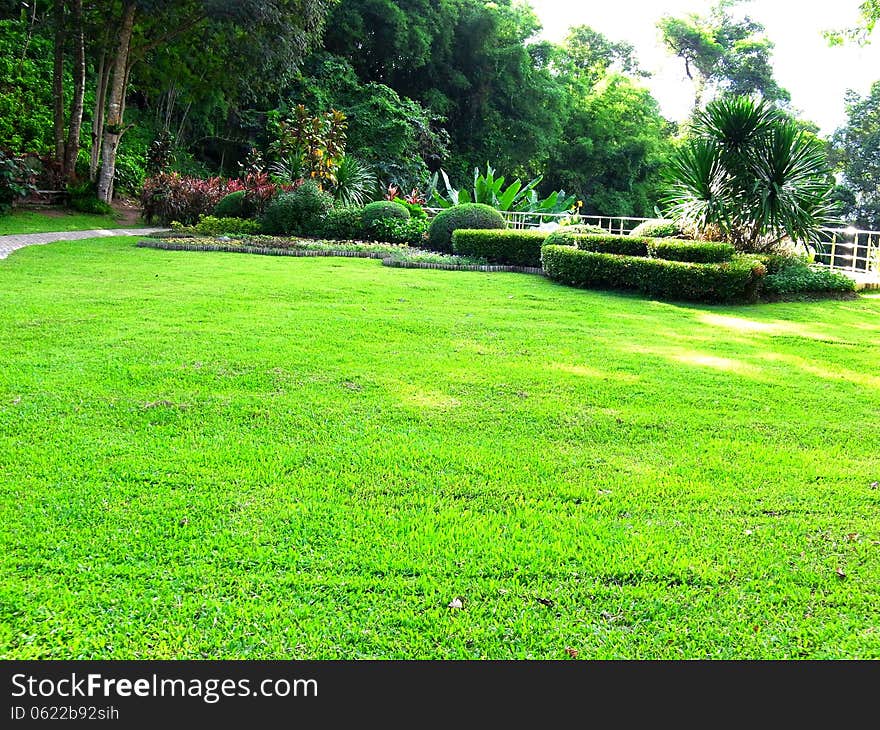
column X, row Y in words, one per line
column 8, row 244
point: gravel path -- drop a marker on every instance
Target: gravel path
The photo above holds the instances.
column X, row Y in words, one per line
column 8, row 244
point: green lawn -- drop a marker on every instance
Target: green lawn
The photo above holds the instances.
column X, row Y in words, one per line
column 32, row 221
column 223, row 456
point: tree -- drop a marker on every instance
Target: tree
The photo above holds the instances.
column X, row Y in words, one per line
column 750, row 176
column 869, row 12
column 722, row 54
column 856, row 148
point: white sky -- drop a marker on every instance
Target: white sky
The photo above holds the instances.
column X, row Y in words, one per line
column 816, row 75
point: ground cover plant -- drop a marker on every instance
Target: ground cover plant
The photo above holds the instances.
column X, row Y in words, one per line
column 240, row 456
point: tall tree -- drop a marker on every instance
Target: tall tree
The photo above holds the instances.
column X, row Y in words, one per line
column 856, row 149
column 869, row 14
column 723, row 54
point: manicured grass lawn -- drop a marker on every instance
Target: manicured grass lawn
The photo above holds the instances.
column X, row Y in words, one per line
column 31, row 221
column 222, row 456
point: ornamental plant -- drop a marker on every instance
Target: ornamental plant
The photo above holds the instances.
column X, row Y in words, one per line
column 751, row 177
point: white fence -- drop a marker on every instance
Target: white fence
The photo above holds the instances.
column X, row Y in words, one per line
column 846, row 249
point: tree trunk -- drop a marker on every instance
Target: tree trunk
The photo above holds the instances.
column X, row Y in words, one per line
column 58, row 81
column 79, row 89
column 102, row 79
column 113, row 129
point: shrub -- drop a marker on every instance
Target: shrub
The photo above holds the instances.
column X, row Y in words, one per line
column 410, row 231
column 800, row 278
column 698, row 252
column 233, row 205
column 604, row 243
column 213, row 226
column 473, row 216
column 659, row 228
column 300, row 213
column 344, row 224
column 383, row 209
column 15, row 181
column 584, row 228
column 512, row 248
column 84, row 198
column 415, row 209
column 171, row 197
column 735, row 280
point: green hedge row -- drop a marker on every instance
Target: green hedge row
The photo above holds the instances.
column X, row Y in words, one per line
column 702, row 252
column 731, row 281
column 513, row 248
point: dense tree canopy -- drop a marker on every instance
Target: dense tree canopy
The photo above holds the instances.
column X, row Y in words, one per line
column 856, row 147
column 723, row 54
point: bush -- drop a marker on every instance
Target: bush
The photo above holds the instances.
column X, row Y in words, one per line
column 735, row 280
column 84, row 198
column 659, row 228
column 383, row 209
column 473, row 216
column 415, row 210
column 511, row 248
column 344, row 224
column 801, row 278
column 604, row 243
column 697, row 252
column 171, row 197
column 300, row 213
column 15, row 181
column 411, row 231
column 212, row 226
column 584, row 228
column 233, row 205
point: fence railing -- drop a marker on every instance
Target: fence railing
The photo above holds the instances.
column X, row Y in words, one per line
column 841, row 248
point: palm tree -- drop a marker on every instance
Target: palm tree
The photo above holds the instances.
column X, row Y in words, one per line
column 750, row 176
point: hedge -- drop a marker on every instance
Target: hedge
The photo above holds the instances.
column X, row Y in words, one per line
column 513, row 248
column 659, row 228
column 735, row 280
column 468, row 215
column 383, row 209
column 697, row 252
column 604, row 243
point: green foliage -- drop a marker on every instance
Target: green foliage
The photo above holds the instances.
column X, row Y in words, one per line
column 491, row 190
column 468, row 215
column 582, row 228
column 25, row 90
column 14, row 181
column 234, row 205
column 789, row 276
column 211, row 225
column 344, row 224
column 311, row 146
column 698, row 252
column 600, row 242
column 750, row 176
column 415, row 209
column 511, row 248
column 300, row 213
column 854, row 148
column 355, row 182
column 659, row 228
column 383, row 209
column 723, row 54
column 409, row 231
column 733, row 281
column 83, row 198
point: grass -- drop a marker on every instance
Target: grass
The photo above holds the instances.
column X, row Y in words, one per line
column 32, row 221
column 224, row 456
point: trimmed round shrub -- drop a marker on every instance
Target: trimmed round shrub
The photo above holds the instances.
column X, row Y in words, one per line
column 300, row 213
column 382, row 209
column 234, row 205
column 474, row 216
column 659, row 228
column 584, row 229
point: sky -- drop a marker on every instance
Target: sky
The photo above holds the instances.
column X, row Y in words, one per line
column 817, row 75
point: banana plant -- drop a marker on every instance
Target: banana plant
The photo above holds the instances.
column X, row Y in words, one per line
column 491, row 190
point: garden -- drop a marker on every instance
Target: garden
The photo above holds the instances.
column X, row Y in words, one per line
column 557, row 380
